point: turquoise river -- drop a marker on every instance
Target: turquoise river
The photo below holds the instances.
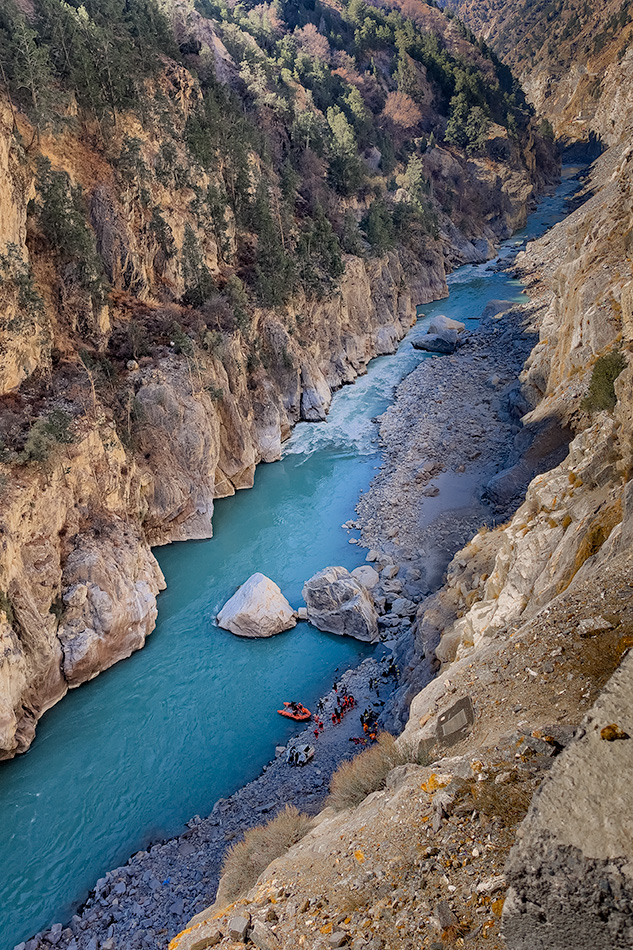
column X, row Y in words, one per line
column 132, row 755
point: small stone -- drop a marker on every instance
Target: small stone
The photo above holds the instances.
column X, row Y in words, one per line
column 132, row 365
column 489, row 885
column 207, row 940
column 389, row 572
column 372, row 555
column 338, row 939
column 238, row 928
column 366, row 576
column 593, row 625
column 613, row 732
column 302, row 613
column 120, row 888
column 303, row 906
column 263, row 937
column 445, row 916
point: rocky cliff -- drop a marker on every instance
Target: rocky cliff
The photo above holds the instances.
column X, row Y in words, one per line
column 573, row 59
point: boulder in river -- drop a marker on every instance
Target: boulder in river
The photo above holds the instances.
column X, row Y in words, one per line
column 257, row 609
column 339, row 603
column 432, row 343
column 443, row 326
column 441, row 336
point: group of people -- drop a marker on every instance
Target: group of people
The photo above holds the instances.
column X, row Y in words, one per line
column 368, row 718
column 319, row 726
column 344, row 704
column 369, row 722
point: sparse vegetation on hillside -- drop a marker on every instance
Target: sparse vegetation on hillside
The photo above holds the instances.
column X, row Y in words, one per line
column 354, row 780
column 314, row 91
column 246, row 860
column 601, row 392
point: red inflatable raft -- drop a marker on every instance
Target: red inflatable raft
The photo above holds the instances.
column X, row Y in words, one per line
column 295, row 711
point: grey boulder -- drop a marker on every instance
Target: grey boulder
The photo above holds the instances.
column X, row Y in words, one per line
column 435, row 344
column 339, row 603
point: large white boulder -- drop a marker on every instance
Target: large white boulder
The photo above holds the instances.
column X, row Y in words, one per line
column 257, row 609
column 339, row 603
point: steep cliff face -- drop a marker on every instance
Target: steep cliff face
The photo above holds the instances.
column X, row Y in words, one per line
column 573, row 59
column 570, row 513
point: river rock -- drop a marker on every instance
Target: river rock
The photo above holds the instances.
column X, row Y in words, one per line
column 442, row 325
column 434, row 344
column 441, row 336
column 257, row 609
column 366, row 575
column 339, row 603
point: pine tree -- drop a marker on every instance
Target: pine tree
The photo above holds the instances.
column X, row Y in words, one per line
column 32, row 74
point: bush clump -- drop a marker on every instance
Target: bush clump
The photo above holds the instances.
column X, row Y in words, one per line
column 246, row 860
column 46, row 434
column 601, row 392
column 6, row 607
column 353, row 781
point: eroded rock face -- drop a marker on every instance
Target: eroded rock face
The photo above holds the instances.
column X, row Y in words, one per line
column 258, row 609
column 576, row 843
column 339, row 603
column 109, row 595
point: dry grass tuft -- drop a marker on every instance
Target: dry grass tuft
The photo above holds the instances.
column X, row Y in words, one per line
column 509, row 802
column 246, row 860
column 353, row 781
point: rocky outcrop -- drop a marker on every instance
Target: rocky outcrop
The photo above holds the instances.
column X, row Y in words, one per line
column 577, row 833
column 339, row 603
column 257, row 609
column 109, row 583
column 78, row 580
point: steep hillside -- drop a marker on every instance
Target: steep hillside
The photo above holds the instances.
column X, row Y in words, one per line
column 213, row 216
column 573, row 58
